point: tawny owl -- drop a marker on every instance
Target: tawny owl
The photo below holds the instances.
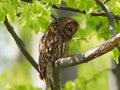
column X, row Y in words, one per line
column 54, row 44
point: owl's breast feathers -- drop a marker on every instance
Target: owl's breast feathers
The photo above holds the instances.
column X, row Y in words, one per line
column 51, row 48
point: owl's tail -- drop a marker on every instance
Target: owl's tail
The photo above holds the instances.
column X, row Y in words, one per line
column 49, row 83
column 49, row 75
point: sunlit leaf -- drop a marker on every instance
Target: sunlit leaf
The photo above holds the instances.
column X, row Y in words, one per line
column 2, row 15
column 55, row 2
column 116, row 54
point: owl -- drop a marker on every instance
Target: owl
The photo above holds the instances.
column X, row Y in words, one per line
column 54, row 44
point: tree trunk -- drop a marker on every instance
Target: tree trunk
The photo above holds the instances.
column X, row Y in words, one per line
column 114, row 77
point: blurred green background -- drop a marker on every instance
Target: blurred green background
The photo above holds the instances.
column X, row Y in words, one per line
column 15, row 71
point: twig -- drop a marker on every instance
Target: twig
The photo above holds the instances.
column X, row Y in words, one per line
column 53, row 17
column 110, row 17
column 106, row 1
column 117, row 17
column 89, row 55
column 69, row 9
column 61, row 7
column 30, row 1
column 80, row 38
column 20, row 44
column 98, row 14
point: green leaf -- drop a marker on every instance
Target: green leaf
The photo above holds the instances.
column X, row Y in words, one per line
column 6, row 1
column 9, row 10
column 15, row 4
column 116, row 54
column 70, row 86
column 23, row 87
column 43, row 22
column 73, row 3
column 35, row 16
column 2, row 15
column 10, row 7
column 51, row 2
column 90, row 5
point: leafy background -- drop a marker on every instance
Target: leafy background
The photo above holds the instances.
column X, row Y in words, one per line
column 32, row 18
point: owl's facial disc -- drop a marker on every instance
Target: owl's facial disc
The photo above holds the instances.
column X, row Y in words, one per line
column 70, row 29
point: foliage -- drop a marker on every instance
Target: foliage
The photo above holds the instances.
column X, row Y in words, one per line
column 94, row 74
column 17, row 78
column 36, row 17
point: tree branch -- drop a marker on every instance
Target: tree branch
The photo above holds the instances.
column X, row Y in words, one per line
column 106, row 1
column 69, row 61
column 30, row 1
column 89, row 55
column 20, row 44
column 117, row 17
column 110, row 17
column 69, row 9
column 57, row 79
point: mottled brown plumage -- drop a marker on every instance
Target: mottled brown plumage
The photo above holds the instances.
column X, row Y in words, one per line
column 54, row 44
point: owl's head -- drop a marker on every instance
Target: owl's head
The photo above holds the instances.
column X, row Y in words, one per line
column 66, row 27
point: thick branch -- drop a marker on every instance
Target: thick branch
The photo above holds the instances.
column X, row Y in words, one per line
column 20, row 44
column 57, row 79
column 89, row 55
